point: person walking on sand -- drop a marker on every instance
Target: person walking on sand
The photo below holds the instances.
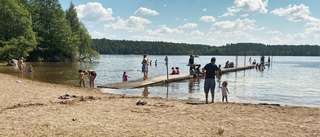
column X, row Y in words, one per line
column 125, row 76
column 91, row 75
column 81, row 78
column 144, row 63
column 210, row 70
column 224, row 91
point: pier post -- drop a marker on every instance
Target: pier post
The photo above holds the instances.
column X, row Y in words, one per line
column 166, row 59
column 245, row 59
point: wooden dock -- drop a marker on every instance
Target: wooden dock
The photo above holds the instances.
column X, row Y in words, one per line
column 234, row 69
column 163, row 79
column 142, row 83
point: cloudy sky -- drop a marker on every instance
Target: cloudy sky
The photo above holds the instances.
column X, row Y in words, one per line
column 210, row 22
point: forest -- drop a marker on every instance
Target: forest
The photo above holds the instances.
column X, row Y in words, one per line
column 106, row 46
column 39, row 30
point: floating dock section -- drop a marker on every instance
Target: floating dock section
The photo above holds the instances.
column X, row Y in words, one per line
column 163, row 79
column 142, row 83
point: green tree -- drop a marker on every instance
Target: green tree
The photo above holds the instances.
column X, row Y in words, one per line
column 54, row 35
column 16, row 36
column 83, row 38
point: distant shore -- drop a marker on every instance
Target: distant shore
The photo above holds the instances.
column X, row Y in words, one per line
column 31, row 108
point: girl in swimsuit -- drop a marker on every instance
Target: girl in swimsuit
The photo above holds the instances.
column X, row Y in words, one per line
column 81, row 78
column 21, row 66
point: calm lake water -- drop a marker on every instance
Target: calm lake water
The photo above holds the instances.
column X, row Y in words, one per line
column 288, row 81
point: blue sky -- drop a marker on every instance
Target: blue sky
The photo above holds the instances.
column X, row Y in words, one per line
column 210, row 22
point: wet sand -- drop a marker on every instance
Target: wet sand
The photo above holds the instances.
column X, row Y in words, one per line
column 32, row 108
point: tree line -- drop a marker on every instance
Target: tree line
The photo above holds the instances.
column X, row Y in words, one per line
column 39, row 30
column 107, row 46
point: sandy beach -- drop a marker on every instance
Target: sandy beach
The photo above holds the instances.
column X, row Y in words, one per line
column 31, row 108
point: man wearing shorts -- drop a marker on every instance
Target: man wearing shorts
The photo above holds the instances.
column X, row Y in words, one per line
column 210, row 70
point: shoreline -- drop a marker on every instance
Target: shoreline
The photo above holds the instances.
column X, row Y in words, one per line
column 33, row 108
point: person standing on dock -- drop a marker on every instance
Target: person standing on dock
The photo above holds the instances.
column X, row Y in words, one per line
column 191, row 62
column 145, row 67
column 210, row 70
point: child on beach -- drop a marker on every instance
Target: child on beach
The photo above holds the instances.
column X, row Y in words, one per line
column 81, row 78
column 224, row 90
column 125, row 76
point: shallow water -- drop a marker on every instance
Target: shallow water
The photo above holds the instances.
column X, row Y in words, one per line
column 288, row 81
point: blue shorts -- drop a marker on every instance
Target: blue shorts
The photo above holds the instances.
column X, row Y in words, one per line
column 209, row 84
column 144, row 68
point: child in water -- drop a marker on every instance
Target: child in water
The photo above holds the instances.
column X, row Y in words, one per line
column 81, row 77
column 224, row 90
column 125, row 76
column 30, row 69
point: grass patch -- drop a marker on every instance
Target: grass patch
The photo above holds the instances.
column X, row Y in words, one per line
column 220, row 131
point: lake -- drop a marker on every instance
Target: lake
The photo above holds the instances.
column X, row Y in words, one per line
column 289, row 80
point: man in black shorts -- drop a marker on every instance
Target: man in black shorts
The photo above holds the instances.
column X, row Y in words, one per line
column 210, row 70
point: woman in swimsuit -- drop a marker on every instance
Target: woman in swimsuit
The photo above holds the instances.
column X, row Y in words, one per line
column 145, row 67
column 92, row 75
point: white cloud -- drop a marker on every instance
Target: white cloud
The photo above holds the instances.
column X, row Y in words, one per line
column 163, row 31
column 146, row 11
column 311, row 32
column 196, row 34
column 273, row 32
column 132, row 24
column 247, row 6
column 207, row 19
column 94, row 11
column 244, row 15
column 189, row 25
column 314, row 28
column 204, row 9
column 237, row 25
column 295, row 13
column 97, row 34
